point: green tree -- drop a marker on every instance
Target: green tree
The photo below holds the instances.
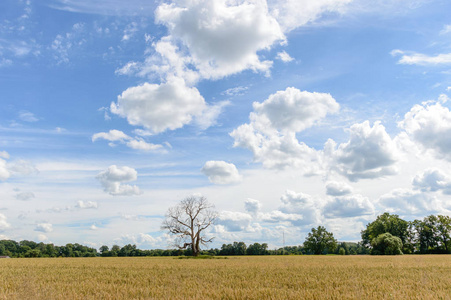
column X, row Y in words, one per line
column 342, row 251
column 386, row 244
column 444, row 232
column 320, row 241
column 386, row 222
column 257, row 249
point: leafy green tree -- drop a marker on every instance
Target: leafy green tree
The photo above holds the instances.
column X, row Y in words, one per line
column 320, row 241
column 444, row 232
column 386, row 244
column 342, row 251
column 257, row 249
column 425, row 231
column 386, row 222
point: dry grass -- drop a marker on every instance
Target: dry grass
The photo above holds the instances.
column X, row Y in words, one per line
column 267, row 277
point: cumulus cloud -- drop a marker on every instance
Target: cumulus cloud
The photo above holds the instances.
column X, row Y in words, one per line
column 271, row 133
column 3, row 223
column 159, row 107
column 44, row 227
column 404, row 201
column 4, row 173
column 252, row 206
column 118, row 136
column 300, row 204
column 433, row 180
column 235, row 221
column 86, row 204
column 221, row 172
column 429, row 124
column 334, row 188
column 348, row 206
column 369, row 153
column 222, row 37
column 113, row 180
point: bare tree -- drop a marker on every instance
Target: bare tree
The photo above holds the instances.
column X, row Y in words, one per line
column 188, row 220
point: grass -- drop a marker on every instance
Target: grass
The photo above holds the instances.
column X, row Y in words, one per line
column 264, row 277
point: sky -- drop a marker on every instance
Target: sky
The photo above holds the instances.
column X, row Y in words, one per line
column 285, row 115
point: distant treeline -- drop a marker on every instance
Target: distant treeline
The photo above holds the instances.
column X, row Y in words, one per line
column 388, row 234
column 32, row 249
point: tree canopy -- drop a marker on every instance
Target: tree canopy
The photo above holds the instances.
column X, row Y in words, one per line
column 320, row 241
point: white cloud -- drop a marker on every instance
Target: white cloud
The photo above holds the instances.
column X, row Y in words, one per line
column 404, row 201
column 252, row 206
column 86, row 204
column 301, row 204
column 140, row 239
column 140, row 144
column 422, row 59
column 4, row 173
column 210, row 115
column 369, row 153
column 22, row 167
column 44, row 227
column 348, row 206
column 112, row 136
column 429, row 125
column 42, row 237
column 159, row 107
column 3, row 223
column 446, row 29
column 130, row 31
column 27, row 116
column 271, row 133
column 25, row 196
column 235, row 221
column 221, row 172
column 118, row 136
column 93, row 227
column 432, row 180
column 334, row 188
column 4, row 154
column 222, row 37
column 113, row 178
column 284, row 56
column 235, row 91
column 295, row 13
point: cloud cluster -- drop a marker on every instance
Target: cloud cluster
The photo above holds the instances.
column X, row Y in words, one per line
column 86, row 204
column 221, row 172
column 433, row 180
column 429, row 125
column 369, row 153
column 271, row 133
column 113, row 180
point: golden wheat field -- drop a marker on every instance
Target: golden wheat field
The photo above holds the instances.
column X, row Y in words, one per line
column 264, row 277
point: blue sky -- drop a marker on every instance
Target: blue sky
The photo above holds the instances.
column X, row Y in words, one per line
column 285, row 114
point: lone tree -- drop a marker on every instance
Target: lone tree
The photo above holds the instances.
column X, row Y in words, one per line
column 320, row 240
column 188, row 220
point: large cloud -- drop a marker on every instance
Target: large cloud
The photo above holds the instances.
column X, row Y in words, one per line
column 113, row 180
column 369, row 153
column 300, row 204
column 271, row 133
column 44, row 227
column 429, row 125
column 222, row 37
column 221, row 172
column 159, row 107
column 235, row 221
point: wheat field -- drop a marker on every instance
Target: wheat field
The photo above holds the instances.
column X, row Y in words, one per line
column 263, row 277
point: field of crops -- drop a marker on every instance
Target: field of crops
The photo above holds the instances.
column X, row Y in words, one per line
column 264, row 277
